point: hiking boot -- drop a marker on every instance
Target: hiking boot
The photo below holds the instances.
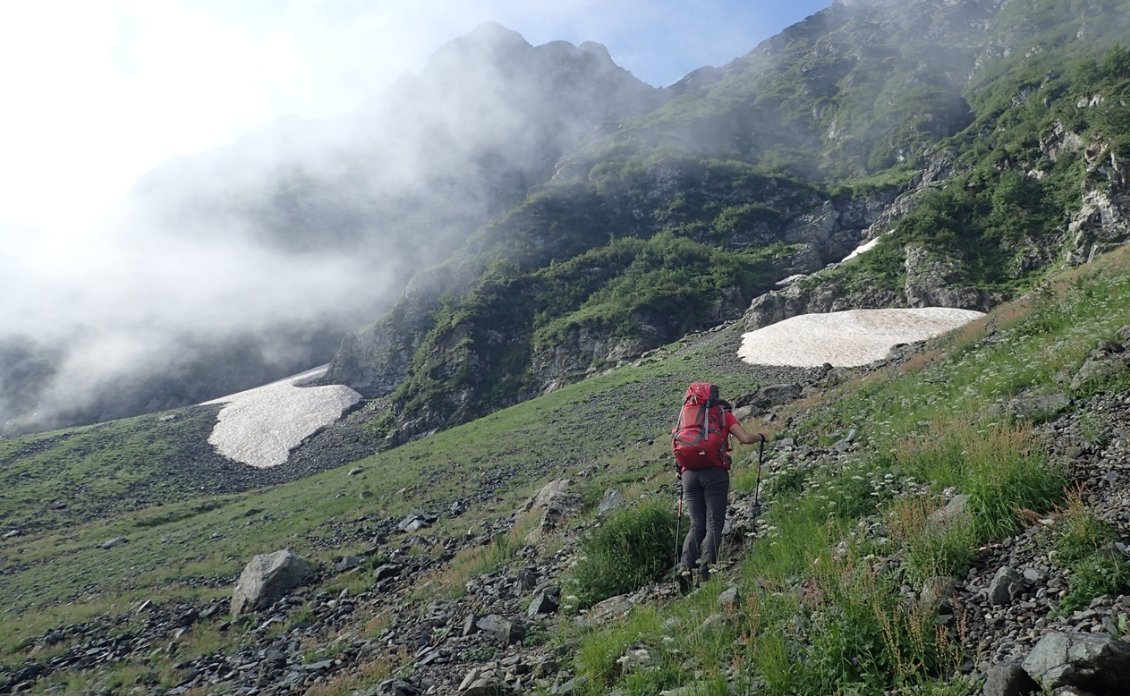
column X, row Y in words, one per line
column 684, row 577
column 704, row 574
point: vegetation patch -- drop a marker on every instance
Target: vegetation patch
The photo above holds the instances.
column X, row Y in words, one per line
column 634, row 547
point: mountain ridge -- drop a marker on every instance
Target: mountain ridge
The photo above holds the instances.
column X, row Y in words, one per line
column 834, row 119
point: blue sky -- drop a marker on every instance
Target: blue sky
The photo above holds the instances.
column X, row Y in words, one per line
column 661, row 41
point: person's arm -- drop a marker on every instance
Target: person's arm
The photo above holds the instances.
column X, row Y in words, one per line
column 746, row 437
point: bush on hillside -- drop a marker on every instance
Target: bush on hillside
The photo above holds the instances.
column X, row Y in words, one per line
column 636, row 546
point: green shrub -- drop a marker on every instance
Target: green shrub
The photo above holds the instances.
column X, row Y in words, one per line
column 862, row 637
column 789, row 483
column 1009, row 476
column 1101, row 573
column 633, row 548
column 1083, row 548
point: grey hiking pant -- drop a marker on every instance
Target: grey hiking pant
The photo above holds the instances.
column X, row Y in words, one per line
column 704, row 492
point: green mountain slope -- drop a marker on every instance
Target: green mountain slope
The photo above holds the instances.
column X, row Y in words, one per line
column 983, row 145
column 912, row 122
column 862, row 446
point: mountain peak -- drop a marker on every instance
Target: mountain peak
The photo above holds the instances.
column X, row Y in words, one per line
column 493, row 33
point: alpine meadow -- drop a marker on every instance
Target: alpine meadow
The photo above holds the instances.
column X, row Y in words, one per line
column 529, row 255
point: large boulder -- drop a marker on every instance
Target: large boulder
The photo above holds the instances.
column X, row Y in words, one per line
column 267, row 578
column 1096, row 663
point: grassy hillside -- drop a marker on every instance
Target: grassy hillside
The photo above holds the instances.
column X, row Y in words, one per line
column 821, row 607
column 920, row 425
column 196, row 547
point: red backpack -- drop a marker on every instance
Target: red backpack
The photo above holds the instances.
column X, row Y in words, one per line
column 699, row 439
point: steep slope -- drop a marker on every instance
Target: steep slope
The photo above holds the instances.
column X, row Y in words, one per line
column 911, row 121
column 409, row 543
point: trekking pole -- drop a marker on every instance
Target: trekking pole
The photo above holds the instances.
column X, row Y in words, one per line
column 678, row 520
column 757, row 486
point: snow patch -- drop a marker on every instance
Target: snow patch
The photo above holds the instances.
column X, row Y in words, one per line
column 847, row 339
column 261, row 426
column 861, row 249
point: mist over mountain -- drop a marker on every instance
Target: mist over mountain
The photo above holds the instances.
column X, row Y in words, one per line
column 516, row 217
column 249, row 262
column 519, row 258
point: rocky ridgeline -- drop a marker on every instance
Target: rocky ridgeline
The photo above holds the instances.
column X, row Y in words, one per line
column 294, row 634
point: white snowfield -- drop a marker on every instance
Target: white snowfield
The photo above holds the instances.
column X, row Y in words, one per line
column 260, row 426
column 847, row 339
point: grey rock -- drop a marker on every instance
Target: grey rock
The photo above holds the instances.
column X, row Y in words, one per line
column 1039, row 406
column 348, row 563
column 571, row 686
column 507, row 631
column 1007, row 584
column 267, row 578
column 955, row 511
column 395, row 687
column 769, row 396
column 482, row 680
column 607, row 610
column 1009, row 679
column 385, row 571
column 320, row 666
column 936, row 591
column 527, row 579
column 728, row 597
column 1097, row 370
column 415, row 521
column 612, row 500
column 469, row 627
column 1097, row 663
column 544, row 603
column 557, row 502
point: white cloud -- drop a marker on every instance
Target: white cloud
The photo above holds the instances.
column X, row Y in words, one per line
column 98, row 92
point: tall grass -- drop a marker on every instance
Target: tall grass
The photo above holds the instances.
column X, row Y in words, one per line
column 1084, row 547
column 634, row 547
column 1001, row 467
column 930, row 550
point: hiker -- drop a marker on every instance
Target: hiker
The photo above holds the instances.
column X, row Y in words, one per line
column 701, row 444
